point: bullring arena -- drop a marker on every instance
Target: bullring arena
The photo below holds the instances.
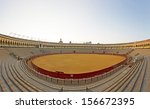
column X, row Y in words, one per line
column 76, row 64
column 29, row 65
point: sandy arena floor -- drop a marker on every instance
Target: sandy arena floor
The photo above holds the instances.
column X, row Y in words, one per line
column 76, row 63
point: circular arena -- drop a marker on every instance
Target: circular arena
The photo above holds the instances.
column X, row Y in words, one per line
column 76, row 65
column 37, row 66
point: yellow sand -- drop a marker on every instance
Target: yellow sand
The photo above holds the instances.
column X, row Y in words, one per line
column 76, row 63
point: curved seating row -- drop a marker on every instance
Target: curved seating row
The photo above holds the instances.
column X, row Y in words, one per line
column 16, row 76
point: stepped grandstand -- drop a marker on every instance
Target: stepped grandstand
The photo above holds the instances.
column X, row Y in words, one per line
column 21, row 66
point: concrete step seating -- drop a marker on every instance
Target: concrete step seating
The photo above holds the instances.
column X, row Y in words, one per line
column 16, row 76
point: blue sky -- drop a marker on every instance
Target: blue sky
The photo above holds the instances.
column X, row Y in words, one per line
column 99, row 21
